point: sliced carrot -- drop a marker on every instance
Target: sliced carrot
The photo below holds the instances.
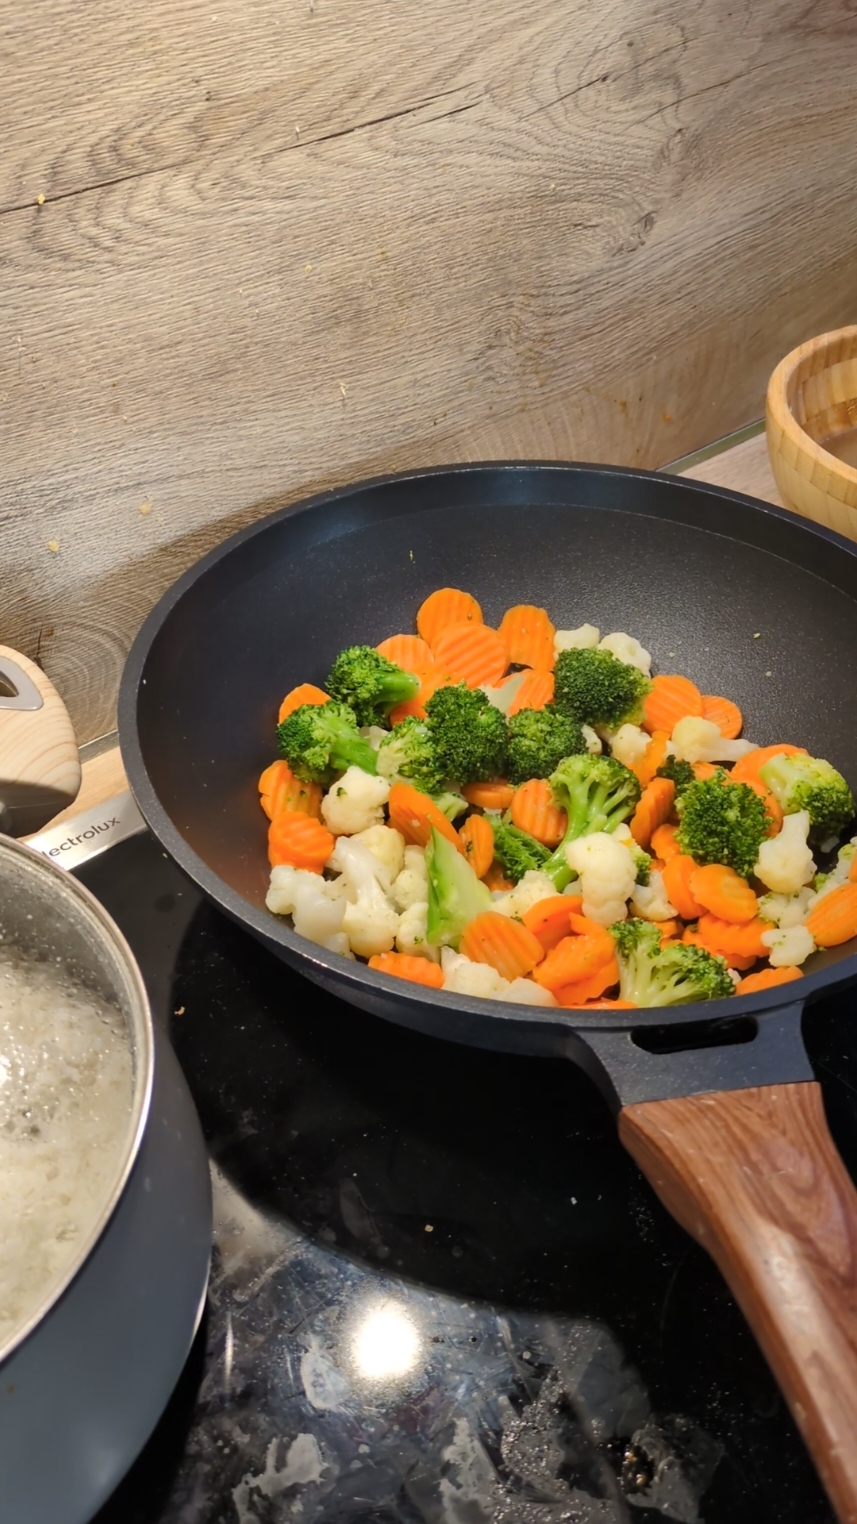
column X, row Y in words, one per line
column 750, row 765
column 852, row 872
column 431, row 678
column 534, row 693
column 528, row 635
column 834, row 918
column 703, row 770
column 414, row 813
column 664, row 842
column 672, row 697
column 497, row 794
column 280, row 790
column 298, row 840
column 724, row 893
column 408, row 652
column 766, row 979
column 773, row 808
column 477, row 838
column 449, row 605
column 677, row 873
column 505, row 944
column 549, row 919
column 305, row 693
column 403, row 966
column 474, row 652
column 653, row 808
column 495, row 879
column 589, row 989
column 534, row 811
column 669, row 930
column 578, row 956
column 728, row 938
column 724, row 714
column 654, row 756
column 736, row 961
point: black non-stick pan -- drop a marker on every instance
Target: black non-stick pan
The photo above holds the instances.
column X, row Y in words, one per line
column 716, row 1102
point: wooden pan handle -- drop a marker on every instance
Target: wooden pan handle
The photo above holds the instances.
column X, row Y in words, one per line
column 39, row 762
column 754, row 1176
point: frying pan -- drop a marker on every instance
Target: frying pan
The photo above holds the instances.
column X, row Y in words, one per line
column 716, row 1102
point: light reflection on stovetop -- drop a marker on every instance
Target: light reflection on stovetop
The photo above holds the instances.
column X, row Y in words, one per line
column 441, row 1292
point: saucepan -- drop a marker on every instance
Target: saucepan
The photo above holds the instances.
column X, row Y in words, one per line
column 717, row 1102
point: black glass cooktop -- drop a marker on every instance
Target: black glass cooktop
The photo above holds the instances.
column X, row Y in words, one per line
column 441, row 1292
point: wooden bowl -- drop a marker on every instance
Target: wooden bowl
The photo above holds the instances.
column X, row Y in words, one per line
column 812, row 397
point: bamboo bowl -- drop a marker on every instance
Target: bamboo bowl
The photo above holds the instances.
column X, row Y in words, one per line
column 812, row 395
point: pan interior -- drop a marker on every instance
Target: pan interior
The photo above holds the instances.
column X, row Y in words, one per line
column 745, row 602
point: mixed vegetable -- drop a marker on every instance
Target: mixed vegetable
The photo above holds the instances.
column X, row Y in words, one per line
column 527, row 814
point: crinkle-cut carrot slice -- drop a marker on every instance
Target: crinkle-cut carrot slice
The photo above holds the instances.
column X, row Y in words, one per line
column 749, row 766
column 431, row 679
column 653, row 809
column 704, row 770
column 578, row 956
column 413, row 814
column 449, row 605
column 585, row 990
column 670, row 930
column 549, row 919
column 298, row 840
column 672, row 697
column 475, row 653
column 408, row 652
column 833, row 919
column 505, row 944
column 495, row 879
column 773, row 808
column 677, row 873
column 403, row 966
column 280, row 790
column 728, row 937
column 528, row 634
column 305, row 693
column 724, row 714
column 724, row 893
column 693, row 939
column 654, row 756
column 664, row 842
column 535, row 692
column 534, row 811
column 477, row 839
column 496, row 794
column 766, row 979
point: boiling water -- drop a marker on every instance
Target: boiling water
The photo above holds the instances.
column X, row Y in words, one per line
column 65, row 1104
column 843, row 446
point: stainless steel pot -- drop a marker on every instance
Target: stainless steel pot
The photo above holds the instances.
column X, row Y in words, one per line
column 83, row 1384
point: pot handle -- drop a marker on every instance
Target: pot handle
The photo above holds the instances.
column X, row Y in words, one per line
column 39, row 762
column 755, row 1177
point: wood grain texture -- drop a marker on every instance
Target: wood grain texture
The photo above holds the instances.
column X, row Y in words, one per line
column 282, row 247
column 754, row 1176
column 812, row 395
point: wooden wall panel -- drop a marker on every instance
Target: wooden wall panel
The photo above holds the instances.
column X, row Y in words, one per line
column 283, row 245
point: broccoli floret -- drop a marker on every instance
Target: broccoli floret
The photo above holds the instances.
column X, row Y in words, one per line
column 679, row 773
column 455, row 894
column 597, row 794
column 595, row 688
column 650, row 975
column 722, row 822
column 517, row 850
column 538, row 741
column 321, row 740
column 450, row 803
column 408, row 751
column 643, row 861
column 811, row 784
column 469, row 734
column 368, row 682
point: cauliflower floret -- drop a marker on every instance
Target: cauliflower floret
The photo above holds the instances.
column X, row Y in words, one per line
column 785, row 861
column 411, row 886
column 785, row 910
column 625, row 648
column 698, row 740
column 527, row 992
column 593, row 741
column 839, row 873
column 607, row 876
column 628, row 743
column 789, row 947
column 533, row 887
column 316, row 906
column 576, row 640
column 370, row 922
column 388, row 846
column 355, row 802
column 464, row 977
column 651, row 901
column 374, row 734
column 412, row 935
column 503, row 697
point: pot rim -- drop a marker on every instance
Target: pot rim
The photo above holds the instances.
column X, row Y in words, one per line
column 89, row 910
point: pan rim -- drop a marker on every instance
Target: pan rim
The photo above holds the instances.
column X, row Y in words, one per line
column 273, row 930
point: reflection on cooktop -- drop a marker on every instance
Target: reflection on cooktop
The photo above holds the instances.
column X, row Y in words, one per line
column 442, row 1293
